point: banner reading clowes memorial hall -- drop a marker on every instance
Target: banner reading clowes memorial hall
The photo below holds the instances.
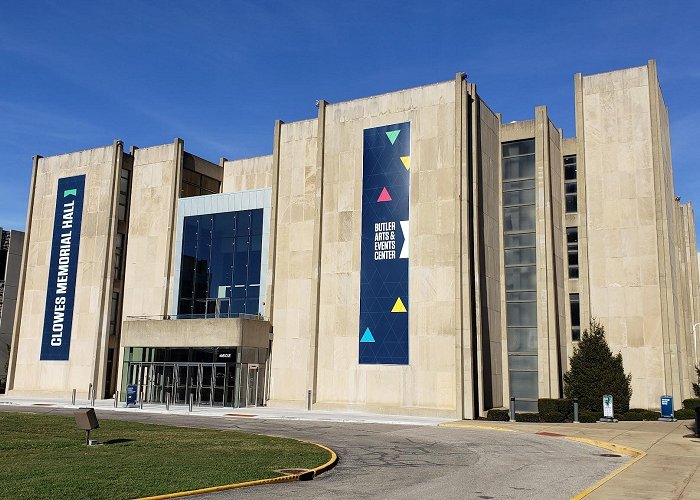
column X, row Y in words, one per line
column 384, row 301
column 63, row 267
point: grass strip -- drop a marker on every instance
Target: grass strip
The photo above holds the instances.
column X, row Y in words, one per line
column 44, row 456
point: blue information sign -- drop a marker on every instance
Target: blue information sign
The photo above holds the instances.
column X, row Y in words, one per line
column 666, row 407
column 131, row 395
column 384, row 304
column 63, row 268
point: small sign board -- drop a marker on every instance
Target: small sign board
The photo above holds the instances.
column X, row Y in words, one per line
column 131, row 395
column 666, row 407
column 608, row 406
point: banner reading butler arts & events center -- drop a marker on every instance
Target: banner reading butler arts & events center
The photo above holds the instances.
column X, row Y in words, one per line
column 384, row 301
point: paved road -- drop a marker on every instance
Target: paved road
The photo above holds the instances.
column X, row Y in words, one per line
column 406, row 462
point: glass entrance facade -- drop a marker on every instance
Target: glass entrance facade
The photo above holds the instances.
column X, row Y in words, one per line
column 221, row 376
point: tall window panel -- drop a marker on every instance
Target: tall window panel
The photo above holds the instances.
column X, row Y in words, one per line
column 570, row 188
column 221, row 264
column 572, row 251
column 575, row 317
column 521, row 270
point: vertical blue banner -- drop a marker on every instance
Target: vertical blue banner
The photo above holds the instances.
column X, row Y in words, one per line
column 63, row 268
column 386, row 161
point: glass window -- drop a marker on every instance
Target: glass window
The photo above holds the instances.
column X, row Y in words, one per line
column 124, row 185
column 523, row 384
column 522, row 197
column 570, row 187
column 114, row 314
column 520, row 256
column 521, row 314
column 575, row 317
column 517, row 256
column 119, row 256
column 572, row 251
column 522, row 340
column 519, row 167
column 519, row 240
column 521, row 278
column 522, row 362
column 519, row 218
column 221, row 264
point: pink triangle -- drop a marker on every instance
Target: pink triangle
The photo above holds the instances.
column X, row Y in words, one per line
column 384, row 196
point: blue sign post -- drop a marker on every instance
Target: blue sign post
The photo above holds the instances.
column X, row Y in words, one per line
column 667, row 409
column 63, row 269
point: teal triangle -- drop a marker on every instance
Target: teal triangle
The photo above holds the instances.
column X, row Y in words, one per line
column 367, row 337
column 392, row 135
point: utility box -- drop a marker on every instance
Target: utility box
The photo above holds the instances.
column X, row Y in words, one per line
column 86, row 419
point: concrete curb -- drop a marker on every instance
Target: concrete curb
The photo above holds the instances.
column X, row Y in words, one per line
column 303, row 476
column 476, row 426
column 636, row 455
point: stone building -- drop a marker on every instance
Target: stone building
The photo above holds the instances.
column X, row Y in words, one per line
column 401, row 253
column 10, row 257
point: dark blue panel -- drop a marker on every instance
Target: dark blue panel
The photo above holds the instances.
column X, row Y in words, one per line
column 63, row 268
column 383, row 334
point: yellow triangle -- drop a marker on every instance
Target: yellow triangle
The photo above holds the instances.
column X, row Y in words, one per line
column 398, row 306
column 406, row 160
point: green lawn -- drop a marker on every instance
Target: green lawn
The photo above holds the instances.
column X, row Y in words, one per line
column 45, row 456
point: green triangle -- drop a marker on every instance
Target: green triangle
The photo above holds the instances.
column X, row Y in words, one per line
column 392, row 135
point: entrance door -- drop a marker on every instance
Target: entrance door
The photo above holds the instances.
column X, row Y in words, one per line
column 219, row 393
column 180, row 384
column 205, row 384
column 252, row 391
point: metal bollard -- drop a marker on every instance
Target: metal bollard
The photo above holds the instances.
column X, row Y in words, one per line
column 697, row 421
column 309, row 399
column 89, row 392
column 512, row 409
column 116, row 398
column 92, row 396
column 191, row 395
column 72, row 398
column 167, row 401
column 141, row 399
column 576, row 411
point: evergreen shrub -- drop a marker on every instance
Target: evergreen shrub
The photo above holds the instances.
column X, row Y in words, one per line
column 595, row 372
column 497, row 414
column 527, row 417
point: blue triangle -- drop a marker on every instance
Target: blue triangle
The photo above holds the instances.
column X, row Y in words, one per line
column 367, row 337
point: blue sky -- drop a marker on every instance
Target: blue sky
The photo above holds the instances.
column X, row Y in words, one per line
column 76, row 75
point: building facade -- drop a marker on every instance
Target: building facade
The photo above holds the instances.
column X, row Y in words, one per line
column 401, row 253
column 10, row 261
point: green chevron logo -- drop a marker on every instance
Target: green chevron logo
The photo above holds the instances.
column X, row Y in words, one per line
column 67, row 192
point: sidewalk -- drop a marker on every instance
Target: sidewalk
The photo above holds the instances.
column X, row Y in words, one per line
column 261, row 412
column 669, row 470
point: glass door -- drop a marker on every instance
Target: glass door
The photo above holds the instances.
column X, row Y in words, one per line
column 180, row 372
column 219, row 382
column 252, row 386
column 205, row 384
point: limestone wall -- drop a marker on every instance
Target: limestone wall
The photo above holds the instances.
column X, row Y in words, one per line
column 427, row 384
column 93, row 281
column 154, row 190
column 623, row 255
column 293, row 280
column 248, row 173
